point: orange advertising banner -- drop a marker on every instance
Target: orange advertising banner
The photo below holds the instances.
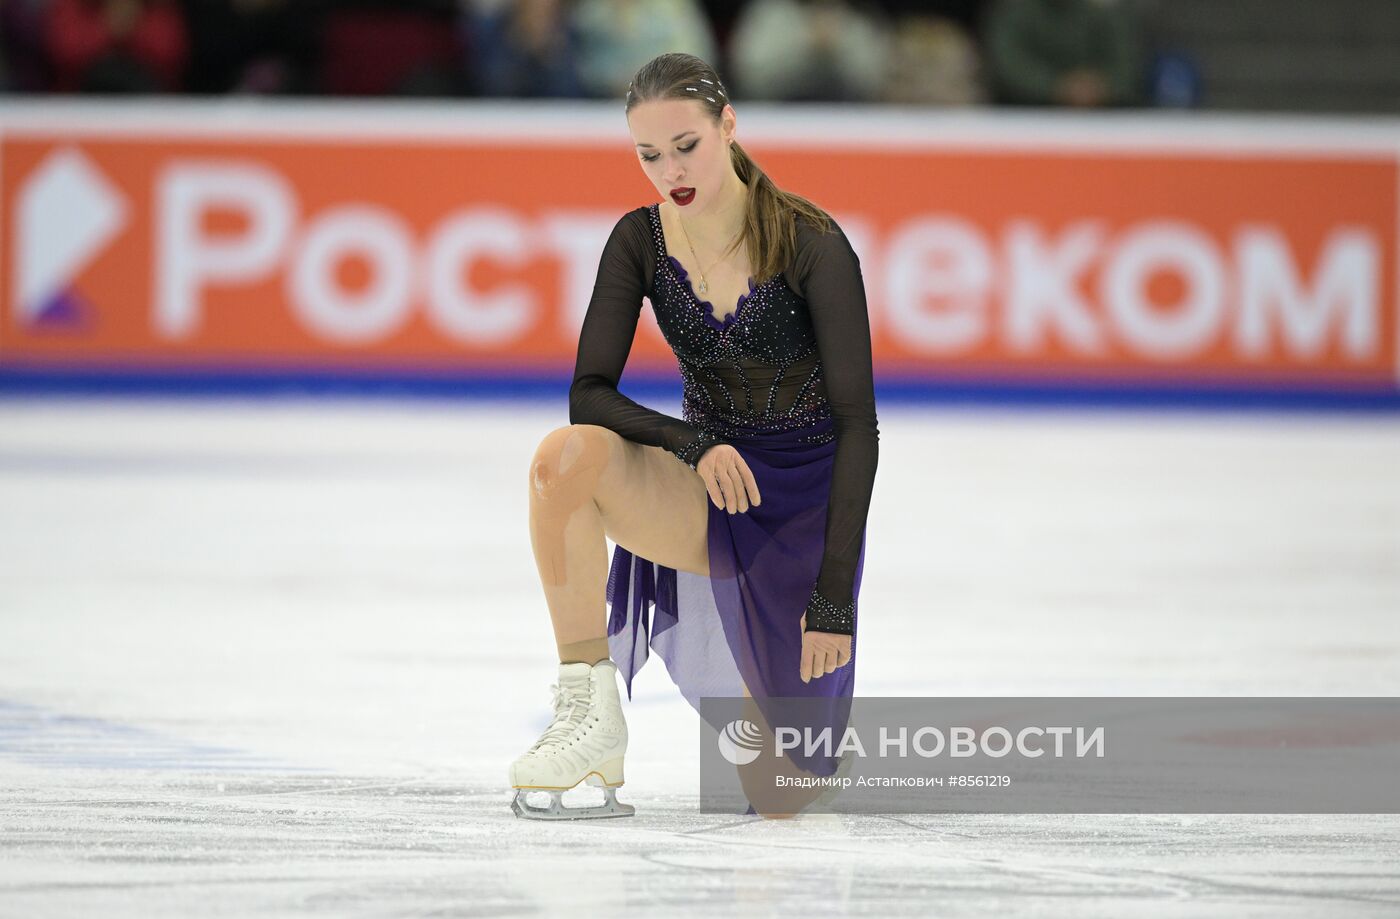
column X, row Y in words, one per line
column 197, row 243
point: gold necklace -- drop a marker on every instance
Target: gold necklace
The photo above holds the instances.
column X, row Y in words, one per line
column 703, row 287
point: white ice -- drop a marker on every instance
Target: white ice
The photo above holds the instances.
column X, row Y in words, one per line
column 272, row 658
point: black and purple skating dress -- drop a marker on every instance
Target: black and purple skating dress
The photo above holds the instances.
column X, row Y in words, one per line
column 786, row 380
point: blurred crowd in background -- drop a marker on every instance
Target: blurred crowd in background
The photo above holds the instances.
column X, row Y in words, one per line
column 1076, row 53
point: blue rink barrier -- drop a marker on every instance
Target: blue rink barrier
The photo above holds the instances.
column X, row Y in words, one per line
column 923, row 390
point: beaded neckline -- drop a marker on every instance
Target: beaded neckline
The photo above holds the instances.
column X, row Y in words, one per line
column 683, row 277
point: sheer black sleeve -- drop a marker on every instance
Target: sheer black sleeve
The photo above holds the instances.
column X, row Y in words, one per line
column 827, row 270
column 604, row 342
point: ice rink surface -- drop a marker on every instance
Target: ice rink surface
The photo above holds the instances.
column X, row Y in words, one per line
column 272, row 658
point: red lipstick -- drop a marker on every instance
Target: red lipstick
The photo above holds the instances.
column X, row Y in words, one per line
column 683, row 196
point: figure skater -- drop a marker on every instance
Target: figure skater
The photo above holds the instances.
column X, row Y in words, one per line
column 742, row 524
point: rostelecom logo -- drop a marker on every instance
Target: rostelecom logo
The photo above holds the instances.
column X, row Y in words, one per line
column 67, row 212
column 740, row 742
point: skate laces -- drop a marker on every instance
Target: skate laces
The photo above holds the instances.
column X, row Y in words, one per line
column 570, row 709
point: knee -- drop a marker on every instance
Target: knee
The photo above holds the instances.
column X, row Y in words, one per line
column 569, row 462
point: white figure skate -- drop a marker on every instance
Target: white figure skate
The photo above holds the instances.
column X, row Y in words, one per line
column 585, row 742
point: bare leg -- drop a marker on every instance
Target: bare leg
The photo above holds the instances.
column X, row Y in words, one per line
column 586, row 482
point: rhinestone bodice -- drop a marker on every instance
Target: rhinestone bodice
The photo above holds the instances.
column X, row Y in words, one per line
column 757, row 368
column 794, row 352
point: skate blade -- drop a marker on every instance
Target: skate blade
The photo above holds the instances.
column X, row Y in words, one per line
column 556, row 810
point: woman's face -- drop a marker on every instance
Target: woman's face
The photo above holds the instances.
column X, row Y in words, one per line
column 681, row 147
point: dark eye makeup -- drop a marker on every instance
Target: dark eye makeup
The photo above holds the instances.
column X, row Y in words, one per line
column 648, row 159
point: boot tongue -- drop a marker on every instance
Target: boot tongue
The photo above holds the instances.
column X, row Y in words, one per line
column 574, row 672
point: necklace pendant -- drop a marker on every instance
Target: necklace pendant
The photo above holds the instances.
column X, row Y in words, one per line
column 703, row 288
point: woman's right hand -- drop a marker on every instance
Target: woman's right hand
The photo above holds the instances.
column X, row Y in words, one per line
column 728, row 479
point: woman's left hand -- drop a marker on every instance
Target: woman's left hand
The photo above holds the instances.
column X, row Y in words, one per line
column 822, row 652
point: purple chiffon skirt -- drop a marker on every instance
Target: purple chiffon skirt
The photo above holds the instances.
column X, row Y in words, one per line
column 742, row 625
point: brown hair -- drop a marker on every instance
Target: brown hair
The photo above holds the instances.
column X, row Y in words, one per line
column 770, row 225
